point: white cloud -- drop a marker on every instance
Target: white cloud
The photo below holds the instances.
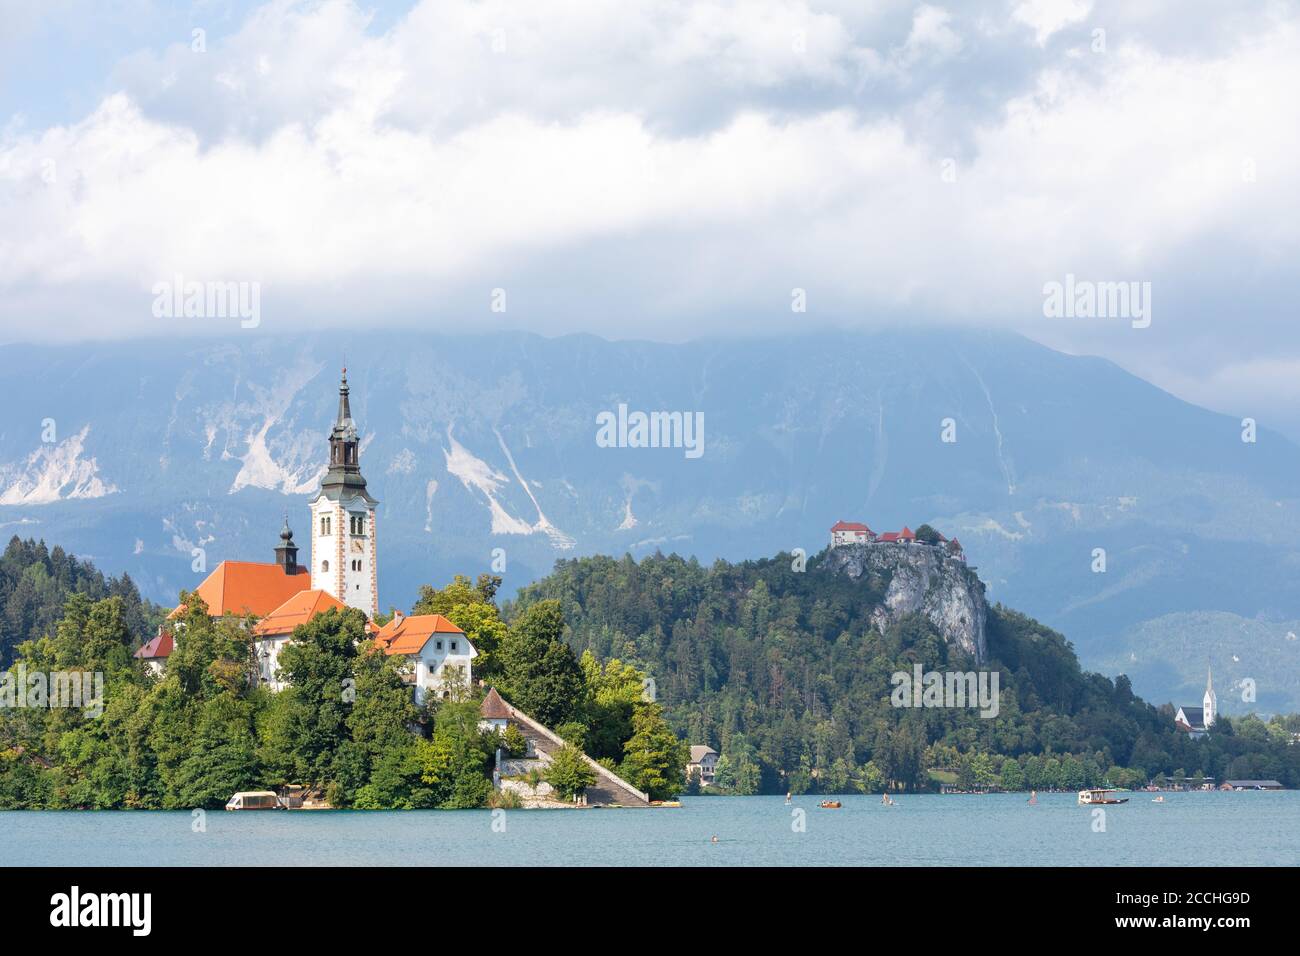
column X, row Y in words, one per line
column 664, row 167
column 1046, row 17
column 931, row 35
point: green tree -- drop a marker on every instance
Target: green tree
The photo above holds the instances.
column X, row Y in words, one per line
column 513, row 741
column 927, row 535
column 318, row 665
column 654, row 758
column 1011, row 777
column 869, row 779
column 222, row 757
column 613, row 691
column 539, row 672
column 455, row 762
column 568, row 773
column 472, row 608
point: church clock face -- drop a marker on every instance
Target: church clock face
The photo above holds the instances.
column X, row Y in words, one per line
column 358, row 547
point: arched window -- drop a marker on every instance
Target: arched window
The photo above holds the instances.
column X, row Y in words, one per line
column 324, row 565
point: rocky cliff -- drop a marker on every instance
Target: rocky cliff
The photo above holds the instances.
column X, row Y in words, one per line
column 917, row 578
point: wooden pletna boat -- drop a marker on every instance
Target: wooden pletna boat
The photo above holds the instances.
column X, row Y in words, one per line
column 254, row 800
column 829, row 804
column 1099, row 795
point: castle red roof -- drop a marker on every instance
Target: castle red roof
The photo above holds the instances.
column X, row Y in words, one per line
column 849, row 526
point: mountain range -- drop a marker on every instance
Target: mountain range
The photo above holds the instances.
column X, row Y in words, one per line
column 483, row 452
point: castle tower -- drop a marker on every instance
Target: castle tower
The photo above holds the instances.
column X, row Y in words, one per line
column 343, row 551
column 1209, row 702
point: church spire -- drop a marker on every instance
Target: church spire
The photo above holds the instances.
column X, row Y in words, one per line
column 345, row 408
column 345, row 448
column 1209, row 703
column 344, row 556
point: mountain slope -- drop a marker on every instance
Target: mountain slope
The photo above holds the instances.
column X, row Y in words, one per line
column 792, row 675
column 475, row 443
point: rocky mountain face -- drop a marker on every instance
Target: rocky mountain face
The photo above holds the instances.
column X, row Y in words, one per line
column 488, row 453
column 920, row 579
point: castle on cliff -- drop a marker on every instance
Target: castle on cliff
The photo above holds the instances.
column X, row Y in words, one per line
column 853, row 532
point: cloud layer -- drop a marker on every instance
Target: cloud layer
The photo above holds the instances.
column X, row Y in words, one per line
column 658, row 169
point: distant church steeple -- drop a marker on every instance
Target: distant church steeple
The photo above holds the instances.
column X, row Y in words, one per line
column 1208, row 704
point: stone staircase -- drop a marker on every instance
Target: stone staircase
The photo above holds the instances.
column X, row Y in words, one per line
column 610, row 790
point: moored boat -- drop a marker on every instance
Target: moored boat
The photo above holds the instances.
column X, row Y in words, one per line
column 254, row 800
column 829, row 804
column 1098, row 795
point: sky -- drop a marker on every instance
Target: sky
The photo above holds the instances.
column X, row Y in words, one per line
column 664, row 170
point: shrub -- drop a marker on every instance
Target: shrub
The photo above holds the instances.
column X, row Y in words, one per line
column 569, row 773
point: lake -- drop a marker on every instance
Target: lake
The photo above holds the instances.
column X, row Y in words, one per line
column 1191, row 829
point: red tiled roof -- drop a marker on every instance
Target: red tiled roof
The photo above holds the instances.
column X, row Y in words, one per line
column 889, row 536
column 849, row 526
column 493, row 707
column 248, row 587
column 299, row 609
column 160, row 646
column 907, row 534
column 406, row 634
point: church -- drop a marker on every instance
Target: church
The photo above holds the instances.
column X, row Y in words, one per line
column 1196, row 721
column 342, row 571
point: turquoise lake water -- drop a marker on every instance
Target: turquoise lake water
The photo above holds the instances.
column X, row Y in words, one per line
column 1231, row 829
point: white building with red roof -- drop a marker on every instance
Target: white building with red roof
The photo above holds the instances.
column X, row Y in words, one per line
column 276, row 629
column 441, row 653
column 853, row 532
column 238, row 588
column 850, row 532
column 155, row 652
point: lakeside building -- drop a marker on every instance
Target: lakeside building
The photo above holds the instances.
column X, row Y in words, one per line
column 442, row 654
column 1251, row 785
column 1196, row 721
column 342, row 572
column 704, row 761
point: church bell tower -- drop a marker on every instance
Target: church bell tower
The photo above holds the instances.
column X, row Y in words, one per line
column 343, row 550
column 1209, row 702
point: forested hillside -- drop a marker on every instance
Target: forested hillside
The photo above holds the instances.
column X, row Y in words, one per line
column 787, row 673
column 783, row 672
column 346, row 724
column 36, row 581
